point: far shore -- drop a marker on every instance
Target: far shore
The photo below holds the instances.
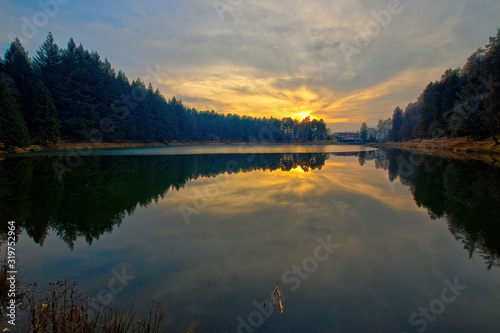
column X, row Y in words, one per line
column 457, row 148
column 64, row 145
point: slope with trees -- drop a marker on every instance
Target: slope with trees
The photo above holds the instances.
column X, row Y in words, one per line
column 465, row 102
column 73, row 93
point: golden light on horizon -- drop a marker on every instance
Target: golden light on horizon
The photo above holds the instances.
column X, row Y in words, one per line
column 299, row 170
column 247, row 91
column 243, row 91
column 303, row 115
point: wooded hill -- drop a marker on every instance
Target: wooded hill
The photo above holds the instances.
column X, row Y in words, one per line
column 465, row 102
column 73, row 93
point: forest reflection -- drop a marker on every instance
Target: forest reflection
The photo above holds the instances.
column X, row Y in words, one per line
column 96, row 197
column 464, row 193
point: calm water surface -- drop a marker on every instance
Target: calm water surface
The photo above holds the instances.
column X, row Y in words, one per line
column 377, row 242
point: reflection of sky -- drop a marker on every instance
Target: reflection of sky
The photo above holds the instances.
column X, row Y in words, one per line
column 392, row 260
column 216, row 149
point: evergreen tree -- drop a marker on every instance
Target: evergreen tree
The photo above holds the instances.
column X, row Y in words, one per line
column 122, row 77
column 466, row 102
column 364, row 131
column 492, row 85
column 73, row 91
column 17, row 66
column 287, row 126
column 397, row 123
column 430, row 108
column 13, row 130
column 47, row 65
column 77, row 106
column 46, row 124
column 411, row 121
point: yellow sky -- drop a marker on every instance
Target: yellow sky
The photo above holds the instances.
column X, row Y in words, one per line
column 280, row 58
column 245, row 91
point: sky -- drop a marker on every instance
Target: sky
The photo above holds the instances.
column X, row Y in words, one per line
column 345, row 61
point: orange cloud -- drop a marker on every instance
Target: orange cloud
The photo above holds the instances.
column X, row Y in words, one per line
column 247, row 91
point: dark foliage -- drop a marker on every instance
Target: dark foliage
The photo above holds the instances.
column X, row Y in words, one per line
column 464, row 194
column 97, row 196
column 13, row 130
column 465, row 102
column 74, row 93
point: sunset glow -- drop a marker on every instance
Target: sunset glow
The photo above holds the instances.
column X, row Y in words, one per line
column 279, row 58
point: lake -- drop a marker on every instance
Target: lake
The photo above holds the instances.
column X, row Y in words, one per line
column 357, row 239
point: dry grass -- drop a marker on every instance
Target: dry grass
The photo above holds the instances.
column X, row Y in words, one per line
column 458, row 148
column 63, row 307
column 4, row 288
column 4, row 291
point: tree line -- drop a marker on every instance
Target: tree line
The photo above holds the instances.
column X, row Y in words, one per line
column 465, row 102
column 74, row 94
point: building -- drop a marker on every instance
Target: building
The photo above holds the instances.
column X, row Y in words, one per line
column 349, row 137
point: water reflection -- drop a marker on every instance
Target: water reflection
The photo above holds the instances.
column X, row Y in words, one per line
column 95, row 197
column 264, row 219
column 466, row 194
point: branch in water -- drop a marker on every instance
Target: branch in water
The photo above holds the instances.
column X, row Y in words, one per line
column 277, row 291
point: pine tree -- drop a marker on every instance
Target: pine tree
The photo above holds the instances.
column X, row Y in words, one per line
column 47, row 64
column 46, row 123
column 123, row 79
column 397, row 123
column 364, row 131
column 430, row 109
column 18, row 66
column 492, row 85
column 13, row 130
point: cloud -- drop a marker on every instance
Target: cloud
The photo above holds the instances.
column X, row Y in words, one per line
column 280, row 58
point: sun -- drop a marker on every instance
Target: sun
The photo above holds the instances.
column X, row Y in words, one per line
column 302, row 115
column 299, row 170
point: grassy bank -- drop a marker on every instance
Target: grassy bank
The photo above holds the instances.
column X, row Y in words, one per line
column 459, row 148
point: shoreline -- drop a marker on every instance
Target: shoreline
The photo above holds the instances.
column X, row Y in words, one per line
column 71, row 145
column 458, row 148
